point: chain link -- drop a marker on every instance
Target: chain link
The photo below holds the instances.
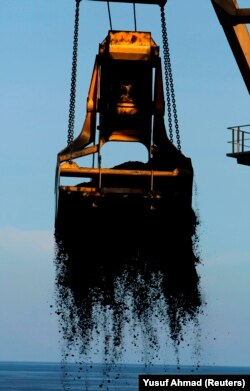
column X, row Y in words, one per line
column 170, row 93
column 71, row 121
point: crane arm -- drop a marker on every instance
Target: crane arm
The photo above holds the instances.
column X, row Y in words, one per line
column 233, row 21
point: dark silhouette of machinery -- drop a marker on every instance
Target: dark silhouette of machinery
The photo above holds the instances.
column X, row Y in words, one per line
column 125, row 103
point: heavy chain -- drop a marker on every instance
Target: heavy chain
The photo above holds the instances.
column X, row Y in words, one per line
column 71, row 122
column 170, row 94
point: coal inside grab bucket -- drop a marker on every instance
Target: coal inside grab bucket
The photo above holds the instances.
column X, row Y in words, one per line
column 124, row 217
column 132, row 187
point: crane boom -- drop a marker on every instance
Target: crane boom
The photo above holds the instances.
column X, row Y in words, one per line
column 233, row 20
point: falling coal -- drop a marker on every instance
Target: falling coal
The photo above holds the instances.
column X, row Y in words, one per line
column 125, row 263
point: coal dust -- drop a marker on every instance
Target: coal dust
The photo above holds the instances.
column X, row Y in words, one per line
column 123, row 272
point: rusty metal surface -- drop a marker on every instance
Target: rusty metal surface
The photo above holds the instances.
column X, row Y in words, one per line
column 130, row 45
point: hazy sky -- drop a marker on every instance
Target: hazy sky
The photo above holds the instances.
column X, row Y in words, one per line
column 36, row 50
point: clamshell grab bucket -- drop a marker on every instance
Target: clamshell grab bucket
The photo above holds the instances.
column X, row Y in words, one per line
column 126, row 104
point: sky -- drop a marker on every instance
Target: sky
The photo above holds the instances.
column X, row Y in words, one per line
column 35, row 68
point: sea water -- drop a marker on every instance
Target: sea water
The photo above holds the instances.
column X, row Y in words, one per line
column 35, row 376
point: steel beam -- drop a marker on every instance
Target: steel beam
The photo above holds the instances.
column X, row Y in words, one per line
column 233, row 21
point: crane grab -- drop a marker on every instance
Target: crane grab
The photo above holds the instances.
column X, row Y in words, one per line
column 126, row 96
